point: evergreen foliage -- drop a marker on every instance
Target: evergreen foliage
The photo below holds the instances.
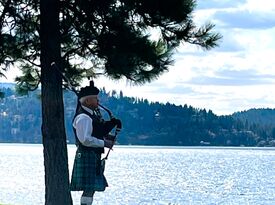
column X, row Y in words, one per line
column 113, row 38
column 145, row 123
column 262, row 121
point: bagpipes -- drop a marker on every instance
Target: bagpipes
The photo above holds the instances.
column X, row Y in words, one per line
column 117, row 130
column 117, row 122
column 118, row 127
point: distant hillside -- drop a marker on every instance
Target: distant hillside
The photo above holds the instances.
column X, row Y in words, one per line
column 6, row 85
column 144, row 123
column 264, row 117
column 262, row 121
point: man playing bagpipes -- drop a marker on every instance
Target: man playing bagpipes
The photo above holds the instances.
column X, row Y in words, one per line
column 92, row 135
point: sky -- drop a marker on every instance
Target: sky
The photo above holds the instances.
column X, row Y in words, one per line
column 236, row 76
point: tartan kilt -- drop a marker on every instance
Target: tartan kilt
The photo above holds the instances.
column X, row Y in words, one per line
column 87, row 174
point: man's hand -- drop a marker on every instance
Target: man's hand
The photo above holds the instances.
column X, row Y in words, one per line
column 116, row 121
column 108, row 143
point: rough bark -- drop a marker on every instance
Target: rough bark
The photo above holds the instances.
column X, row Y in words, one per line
column 53, row 129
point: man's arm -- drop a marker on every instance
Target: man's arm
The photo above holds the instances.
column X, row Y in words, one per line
column 84, row 129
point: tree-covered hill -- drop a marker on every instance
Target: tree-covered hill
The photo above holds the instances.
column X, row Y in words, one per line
column 144, row 123
column 261, row 120
column 261, row 116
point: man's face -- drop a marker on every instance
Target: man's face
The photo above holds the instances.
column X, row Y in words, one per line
column 92, row 101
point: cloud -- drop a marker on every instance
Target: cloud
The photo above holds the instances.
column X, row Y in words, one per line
column 234, row 78
column 218, row 4
column 229, row 43
column 244, row 19
column 178, row 89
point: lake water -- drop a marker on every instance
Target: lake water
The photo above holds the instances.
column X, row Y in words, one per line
column 152, row 175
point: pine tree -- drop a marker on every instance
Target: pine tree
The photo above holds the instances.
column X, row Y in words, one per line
column 88, row 38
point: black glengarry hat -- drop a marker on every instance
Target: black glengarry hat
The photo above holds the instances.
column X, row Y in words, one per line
column 88, row 90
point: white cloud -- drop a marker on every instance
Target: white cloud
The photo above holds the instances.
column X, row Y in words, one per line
column 245, row 19
column 263, row 6
column 218, row 4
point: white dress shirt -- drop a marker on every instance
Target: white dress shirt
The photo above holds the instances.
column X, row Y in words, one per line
column 84, row 128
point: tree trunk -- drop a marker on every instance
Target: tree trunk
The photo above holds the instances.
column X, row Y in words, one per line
column 53, row 129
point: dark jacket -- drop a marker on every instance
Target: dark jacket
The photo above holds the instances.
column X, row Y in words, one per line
column 100, row 129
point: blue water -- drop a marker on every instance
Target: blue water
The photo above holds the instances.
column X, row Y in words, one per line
column 152, row 175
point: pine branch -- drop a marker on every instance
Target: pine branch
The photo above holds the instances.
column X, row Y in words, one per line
column 5, row 11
